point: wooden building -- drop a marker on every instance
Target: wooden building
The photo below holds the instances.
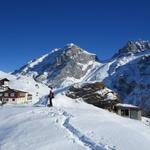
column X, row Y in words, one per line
column 129, row 111
column 15, row 96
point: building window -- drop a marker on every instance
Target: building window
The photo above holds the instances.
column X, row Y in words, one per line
column 29, row 97
column 6, row 100
column 1, row 94
column 125, row 112
column 6, row 94
column 13, row 99
column 12, row 94
column 5, row 82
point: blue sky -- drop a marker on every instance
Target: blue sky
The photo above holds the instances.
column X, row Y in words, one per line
column 31, row 28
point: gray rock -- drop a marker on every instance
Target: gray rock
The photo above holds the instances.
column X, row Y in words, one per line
column 133, row 47
column 70, row 61
column 94, row 93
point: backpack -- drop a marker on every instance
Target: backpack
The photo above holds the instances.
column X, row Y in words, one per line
column 51, row 94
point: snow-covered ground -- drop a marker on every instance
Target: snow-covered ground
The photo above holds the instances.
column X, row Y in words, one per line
column 69, row 125
column 29, row 128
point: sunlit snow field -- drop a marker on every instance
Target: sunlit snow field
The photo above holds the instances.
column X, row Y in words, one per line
column 70, row 124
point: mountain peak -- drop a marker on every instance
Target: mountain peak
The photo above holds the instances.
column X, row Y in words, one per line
column 134, row 47
column 62, row 66
column 71, row 45
column 55, row 50
column 66, row 47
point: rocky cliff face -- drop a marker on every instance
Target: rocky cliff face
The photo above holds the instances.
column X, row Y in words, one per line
column 61, row 67
column 94, row 93
column 134, row 47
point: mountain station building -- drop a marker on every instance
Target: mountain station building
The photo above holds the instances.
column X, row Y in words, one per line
column 15, row 96
column 12, row 96
column 130, row 111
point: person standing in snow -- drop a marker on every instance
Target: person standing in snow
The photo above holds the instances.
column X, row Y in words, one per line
column 51, row 96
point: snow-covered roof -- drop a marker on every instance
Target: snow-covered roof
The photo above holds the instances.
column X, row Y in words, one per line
column 13, row 90
column 4, row 79
column 127, row 106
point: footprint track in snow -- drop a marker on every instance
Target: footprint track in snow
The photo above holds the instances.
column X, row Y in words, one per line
column 76, row 136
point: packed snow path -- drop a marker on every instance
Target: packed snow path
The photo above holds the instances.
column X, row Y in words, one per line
column 84, row 139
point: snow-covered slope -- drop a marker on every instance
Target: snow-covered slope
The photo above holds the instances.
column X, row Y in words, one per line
column 61, row 67
column 118, row 60
column 70, row 124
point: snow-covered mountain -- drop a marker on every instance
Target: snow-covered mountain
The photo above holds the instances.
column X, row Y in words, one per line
column 134, row 47
column 127, row 72
column 61, row 67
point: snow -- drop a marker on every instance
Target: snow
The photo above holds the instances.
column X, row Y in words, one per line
column 85, row 66
column 31, row 65
column 104, row 70
column 70, row 45
column 108, row 92
column 29, row 128
column 84, row 51
column 70, row 124
column 88, row 52
column 104, row 127
column 127, row 105
column 71, row 81
column 55, row 50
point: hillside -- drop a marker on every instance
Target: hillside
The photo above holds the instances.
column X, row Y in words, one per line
column 70, row 124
